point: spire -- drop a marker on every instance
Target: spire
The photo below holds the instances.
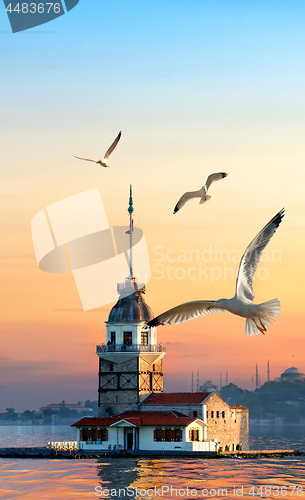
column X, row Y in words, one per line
column 256, row 377
column 130, row 210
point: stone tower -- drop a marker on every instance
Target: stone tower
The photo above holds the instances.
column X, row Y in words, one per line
column 130, row 362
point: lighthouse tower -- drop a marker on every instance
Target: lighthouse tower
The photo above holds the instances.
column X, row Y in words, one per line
column 130, row 362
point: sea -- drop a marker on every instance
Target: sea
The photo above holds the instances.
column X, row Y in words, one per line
column 178, row 478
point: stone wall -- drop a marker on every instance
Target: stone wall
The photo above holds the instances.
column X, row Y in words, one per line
column 229, row 425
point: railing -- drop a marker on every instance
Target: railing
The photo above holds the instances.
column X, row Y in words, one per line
column 62, row 445
column 130, row 348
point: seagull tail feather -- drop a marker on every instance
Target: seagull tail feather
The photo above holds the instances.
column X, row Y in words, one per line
column 205, row 197
column 266, row 312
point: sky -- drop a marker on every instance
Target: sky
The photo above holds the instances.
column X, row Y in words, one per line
column 196, row 87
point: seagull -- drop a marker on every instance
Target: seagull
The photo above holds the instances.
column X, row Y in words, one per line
column 258, row 316
column 104, row 161
column 202, row 193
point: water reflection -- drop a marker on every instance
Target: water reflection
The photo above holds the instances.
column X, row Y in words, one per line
column 165, row 478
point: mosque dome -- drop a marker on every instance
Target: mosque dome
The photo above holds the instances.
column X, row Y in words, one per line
column 293, row 374
column 131, row 308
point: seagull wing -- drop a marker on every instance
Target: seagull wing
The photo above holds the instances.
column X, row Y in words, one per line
column 113, row 145
column 187, row 196
column 250, row 259
column 87, row 159
column 184, row 312
column 214, row 177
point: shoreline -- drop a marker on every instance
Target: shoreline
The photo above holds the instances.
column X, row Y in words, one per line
column 47, row 453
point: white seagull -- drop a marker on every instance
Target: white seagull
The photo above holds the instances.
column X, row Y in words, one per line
column 259, row 316
column 104, row 161
column 202, row 193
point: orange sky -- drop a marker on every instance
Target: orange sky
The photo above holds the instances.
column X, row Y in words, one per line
column 227, row 100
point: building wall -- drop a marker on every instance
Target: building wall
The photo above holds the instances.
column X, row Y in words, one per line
column 146, row 440
column 127, row 384
column 230, row 430
column 118, row 389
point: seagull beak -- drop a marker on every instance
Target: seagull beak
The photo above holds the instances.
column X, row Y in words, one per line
column 210, row 307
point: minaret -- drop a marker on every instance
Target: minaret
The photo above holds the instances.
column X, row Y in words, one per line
column 130, row 362
column 256, row 377
column 268, row 372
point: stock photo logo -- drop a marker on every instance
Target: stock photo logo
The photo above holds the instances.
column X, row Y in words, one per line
column 73, row 235
column 26, row 15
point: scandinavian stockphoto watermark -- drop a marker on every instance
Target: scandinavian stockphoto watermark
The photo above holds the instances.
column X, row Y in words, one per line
column 73, row 235
column 210, row 263
column 26, row 15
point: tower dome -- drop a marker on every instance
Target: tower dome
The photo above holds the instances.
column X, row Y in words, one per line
column 131, row 308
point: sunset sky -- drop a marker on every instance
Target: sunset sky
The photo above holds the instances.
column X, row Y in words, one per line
column 196, row 86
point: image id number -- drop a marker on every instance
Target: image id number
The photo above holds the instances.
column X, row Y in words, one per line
column 33, row 8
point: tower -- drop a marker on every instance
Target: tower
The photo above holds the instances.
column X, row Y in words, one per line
column 268, row 372
column 130, row 362
column 256, row 377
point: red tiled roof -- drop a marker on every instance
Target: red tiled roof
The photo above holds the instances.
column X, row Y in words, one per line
column 138, row 418
column 176, row 398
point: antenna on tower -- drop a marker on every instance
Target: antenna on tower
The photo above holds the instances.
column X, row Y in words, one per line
column 130, row 210
column 268, row 372
column 192, row 382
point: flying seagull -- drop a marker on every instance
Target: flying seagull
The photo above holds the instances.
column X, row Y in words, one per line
column 202, row 193
column 258, row 315
column 104, row 161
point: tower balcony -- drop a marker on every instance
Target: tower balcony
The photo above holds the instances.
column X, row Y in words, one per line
column 119, row 353
column 160, row 348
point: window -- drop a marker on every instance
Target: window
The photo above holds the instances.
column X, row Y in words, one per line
column 223, row 414
column 168, row 436
column 154, row 368
column 112, row 337
column 217, row 414
column 128, row 338
column 144, row 338
column 194, row 413
column 93, row 434
column 158, row 433
column 212, row 414
column 84, row 433
column 178, row 435
column 194, row 435
column 111, row 367
column 207, row 414
column 104, row 436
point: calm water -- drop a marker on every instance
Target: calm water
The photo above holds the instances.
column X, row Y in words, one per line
column 87, row 479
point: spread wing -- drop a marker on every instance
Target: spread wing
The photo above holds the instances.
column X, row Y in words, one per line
column 214, row 177
column 113, row 145
column 250, row 259
column 87, row 159
column 185, row 197
column 184, row 312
